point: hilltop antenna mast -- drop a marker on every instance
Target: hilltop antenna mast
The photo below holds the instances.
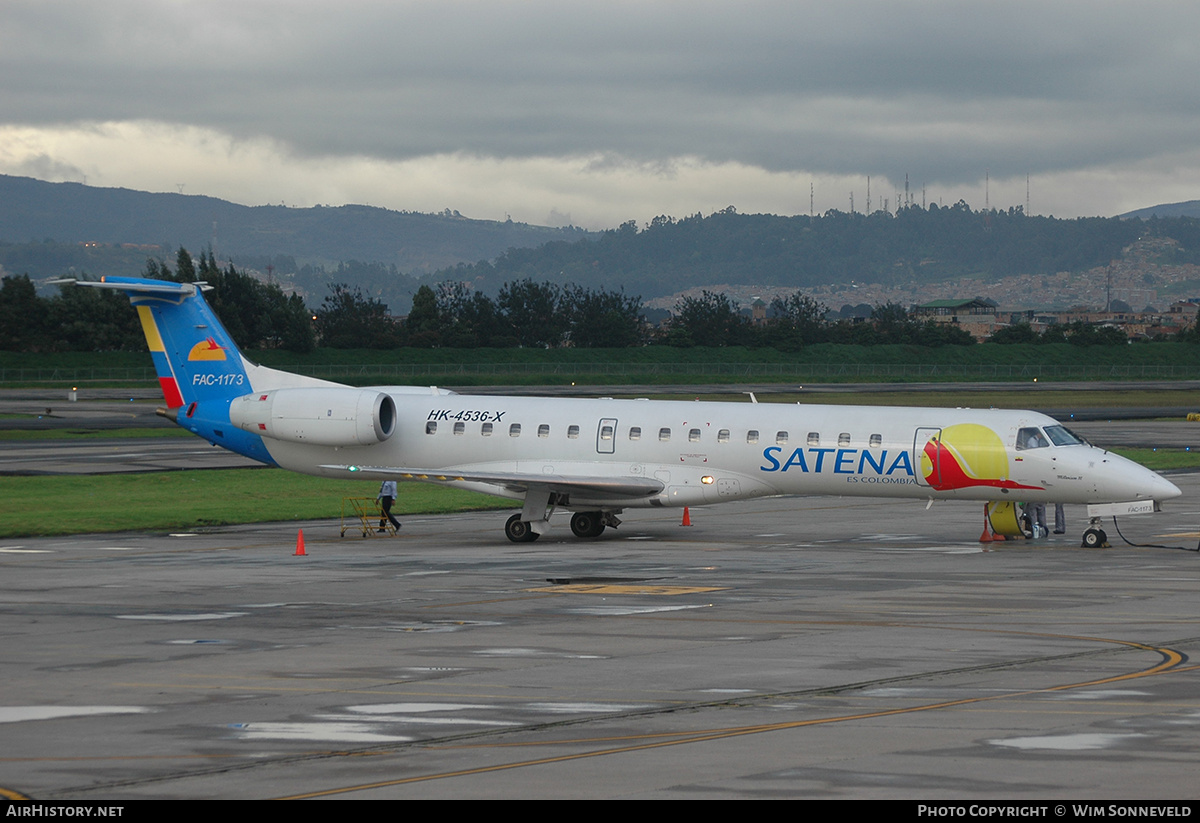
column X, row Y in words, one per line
column 1026, row 194
column 868, row 194
column 810, row 201
column 907, row 198
column 987, row 188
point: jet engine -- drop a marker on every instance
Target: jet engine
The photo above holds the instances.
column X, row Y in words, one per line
column 317, row 416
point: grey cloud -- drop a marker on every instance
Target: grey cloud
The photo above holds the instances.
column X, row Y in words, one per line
column 937, row 89
column 44, row 167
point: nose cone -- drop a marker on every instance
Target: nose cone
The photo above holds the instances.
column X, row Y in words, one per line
column 1163, row 489
column 1136, row 482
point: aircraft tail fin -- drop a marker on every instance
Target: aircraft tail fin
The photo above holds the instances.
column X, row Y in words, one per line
column 194, row 357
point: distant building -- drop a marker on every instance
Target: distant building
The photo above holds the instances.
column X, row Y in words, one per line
column 758, row 312
column 955, row 310
column 978, row 316
column 1185, row 310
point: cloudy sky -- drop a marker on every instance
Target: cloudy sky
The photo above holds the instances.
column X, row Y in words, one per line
column 600, row 112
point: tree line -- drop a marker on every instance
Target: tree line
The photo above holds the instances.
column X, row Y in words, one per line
column 546, row 315
column 525, row 314
column 256, row 314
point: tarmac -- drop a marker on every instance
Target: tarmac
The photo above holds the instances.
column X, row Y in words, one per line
column 808, row 647
column 787, row 648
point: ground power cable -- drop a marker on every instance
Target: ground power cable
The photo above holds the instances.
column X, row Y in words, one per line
column 1152, row 545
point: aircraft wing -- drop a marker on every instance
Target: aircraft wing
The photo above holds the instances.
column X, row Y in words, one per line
column 519, row 482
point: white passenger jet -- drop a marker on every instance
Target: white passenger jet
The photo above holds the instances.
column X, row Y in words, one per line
column 597, row 457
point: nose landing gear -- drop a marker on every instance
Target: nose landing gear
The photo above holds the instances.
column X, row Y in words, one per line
column 1095, row 537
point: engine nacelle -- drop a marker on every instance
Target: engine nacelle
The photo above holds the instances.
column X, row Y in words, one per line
column 322, row 417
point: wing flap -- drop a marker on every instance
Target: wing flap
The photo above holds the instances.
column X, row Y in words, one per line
column 632, row 487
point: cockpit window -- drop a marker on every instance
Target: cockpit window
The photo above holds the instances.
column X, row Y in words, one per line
column 1031, row 438
column 1062, row 436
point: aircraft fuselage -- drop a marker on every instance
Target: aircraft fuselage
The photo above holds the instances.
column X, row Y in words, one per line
column 705, row 452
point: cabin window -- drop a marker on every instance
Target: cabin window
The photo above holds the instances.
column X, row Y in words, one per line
column 781, row 438
column 664, row 435
column 693, row 435
column 514, row 430
column 572, row 432
column 844, row 439
column 460, row 429
column 431, row 427
column 752, row 436
column 544, row 430
column 723, row 436
column 635, row 433
column 486, row 430
column 606, row 432
column 876, row 441
column 814, row 438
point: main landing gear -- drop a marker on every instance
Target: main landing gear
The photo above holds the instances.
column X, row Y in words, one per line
column 583, row 524
column 519, row 531
column 587, row 524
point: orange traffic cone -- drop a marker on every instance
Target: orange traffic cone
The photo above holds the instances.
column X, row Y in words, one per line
column 986, row 537
column 300, row 545
column 687, row 518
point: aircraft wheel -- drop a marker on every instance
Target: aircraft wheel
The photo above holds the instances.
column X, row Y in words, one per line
column 518, row 531
column 587, row 524
column 1094, row 538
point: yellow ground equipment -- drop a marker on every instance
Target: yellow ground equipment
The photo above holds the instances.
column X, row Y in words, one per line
column 364, row 514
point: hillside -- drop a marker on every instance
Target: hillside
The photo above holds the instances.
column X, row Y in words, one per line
column 914, row 246
column 1188, row 208
column 72, row 213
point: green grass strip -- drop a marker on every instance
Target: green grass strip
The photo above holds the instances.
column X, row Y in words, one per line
column 1162, row 459
column 185, row 500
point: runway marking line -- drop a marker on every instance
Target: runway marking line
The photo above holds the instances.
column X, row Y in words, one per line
column 602, row 588
column 1170, row 662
